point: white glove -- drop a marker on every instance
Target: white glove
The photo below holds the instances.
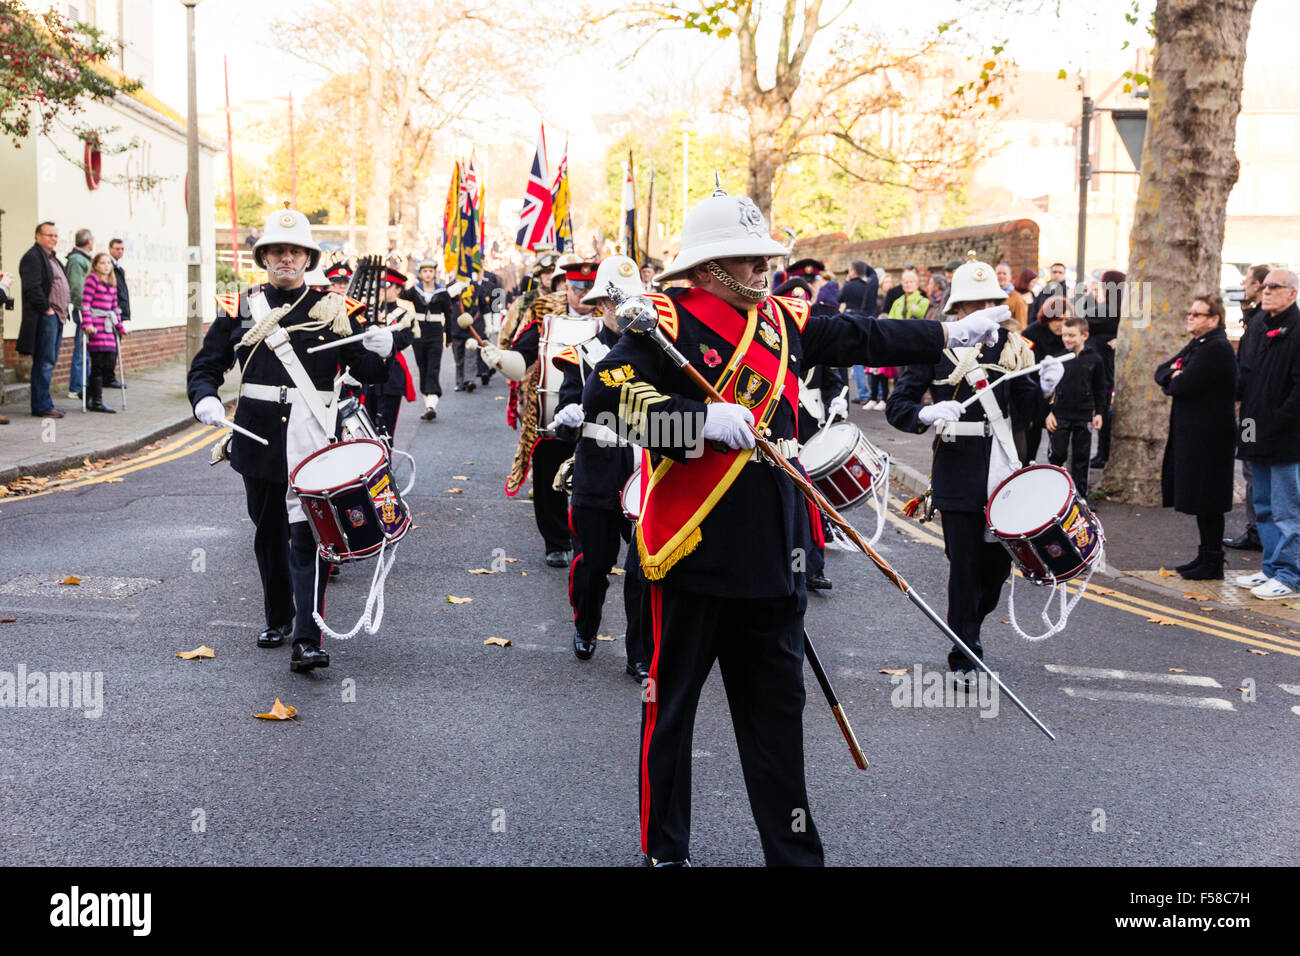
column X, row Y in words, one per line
column 941, row 411
column 456, row 288
column 978, row 328
column 728, row 424
column 1049, row 374
column 349, row 380
column 570, row 415
column 210, row 411
column 838, row 408
column 379, row 341
column 490, row 354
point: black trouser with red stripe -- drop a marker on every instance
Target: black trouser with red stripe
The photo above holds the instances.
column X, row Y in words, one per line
column 976, row 572
column 597, row 533
column 550, row 506
column 758, row 644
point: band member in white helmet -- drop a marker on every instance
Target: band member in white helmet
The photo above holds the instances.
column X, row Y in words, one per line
column 285, row 317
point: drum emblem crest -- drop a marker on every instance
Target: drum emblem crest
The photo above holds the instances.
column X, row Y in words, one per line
column 1055, row 550
column 769, row 336
column 387, row 503
column 357, row 517
column 751, row 388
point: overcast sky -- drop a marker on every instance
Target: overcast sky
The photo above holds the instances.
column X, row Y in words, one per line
column 237, row 29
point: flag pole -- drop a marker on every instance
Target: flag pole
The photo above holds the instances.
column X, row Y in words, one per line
column 230, row 156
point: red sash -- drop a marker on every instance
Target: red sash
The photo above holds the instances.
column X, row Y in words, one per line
column 678, row 496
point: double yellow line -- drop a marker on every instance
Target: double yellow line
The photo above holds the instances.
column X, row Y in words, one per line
column 187, row 443
column 1136, row 605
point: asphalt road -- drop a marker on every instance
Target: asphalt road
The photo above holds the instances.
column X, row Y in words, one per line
column 453, row 752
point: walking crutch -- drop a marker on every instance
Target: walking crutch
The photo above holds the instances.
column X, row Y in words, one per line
column 121, row 366
column 85, row 360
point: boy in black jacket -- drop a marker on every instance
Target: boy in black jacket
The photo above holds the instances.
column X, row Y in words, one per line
column 1078, row 402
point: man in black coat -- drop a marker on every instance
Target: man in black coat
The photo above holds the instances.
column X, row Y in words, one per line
column 1252, row 291
column 1270, row 437
column 1196, row 475
column 47, row 299
column 720, row 530
column 861, row 290
column 272, row 406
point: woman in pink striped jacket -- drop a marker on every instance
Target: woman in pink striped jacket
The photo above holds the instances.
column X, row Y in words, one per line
column 100, row 316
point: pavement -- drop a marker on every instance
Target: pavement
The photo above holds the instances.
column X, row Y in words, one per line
column 155, row 407
column 423, row 744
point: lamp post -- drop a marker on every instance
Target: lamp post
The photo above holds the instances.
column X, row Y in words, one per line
column 193, row 203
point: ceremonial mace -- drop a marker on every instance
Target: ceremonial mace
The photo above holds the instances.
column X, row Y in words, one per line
column 637, row 314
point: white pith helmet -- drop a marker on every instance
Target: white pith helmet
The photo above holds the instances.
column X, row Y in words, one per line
column 721, row 227
column 287, row 227
column 974, row 281
column 619, row 270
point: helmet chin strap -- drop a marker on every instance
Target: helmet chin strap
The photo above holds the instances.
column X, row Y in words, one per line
column 730, row 281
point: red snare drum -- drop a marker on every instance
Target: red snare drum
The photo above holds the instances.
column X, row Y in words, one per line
column 1039, row 517
column 350, row 497
column 842, row 464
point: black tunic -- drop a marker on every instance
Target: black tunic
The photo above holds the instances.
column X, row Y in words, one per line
column 748, row 539
column 271, row 419
column 960, row 474
column 600, row 469
column 1196, row 477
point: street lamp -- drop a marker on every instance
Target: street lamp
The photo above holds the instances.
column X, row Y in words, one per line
column 193, row 202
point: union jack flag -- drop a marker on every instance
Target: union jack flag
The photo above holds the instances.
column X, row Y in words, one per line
column 536, row 222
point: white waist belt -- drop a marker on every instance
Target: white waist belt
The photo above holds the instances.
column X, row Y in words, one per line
column 282, row 394
column 787, row 448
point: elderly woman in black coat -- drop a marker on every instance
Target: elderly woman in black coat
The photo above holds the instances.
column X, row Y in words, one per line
column 1197, row 473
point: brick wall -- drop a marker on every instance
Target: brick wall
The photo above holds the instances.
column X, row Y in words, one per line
column 140, row 350
column 1015, row 241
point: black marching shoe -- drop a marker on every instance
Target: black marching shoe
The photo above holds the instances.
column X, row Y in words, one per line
column 1246, row 541
column 819, row 582
column 100, row 407
column 558, row 559
column 1200, row 556
column 638, row 670
column 306, row 656
column 271, row 637
column 460, row 387
column 1097, row 463
column 470, row 386
column 485, row 378
column 429, row 415
column 1209, row 569
column 652, row 862
column 583, row 647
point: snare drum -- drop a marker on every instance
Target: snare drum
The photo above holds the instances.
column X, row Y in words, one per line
column 349, row 495
column 842, row 463
column 631, row 497
column 1039, row 517
column 354, row 421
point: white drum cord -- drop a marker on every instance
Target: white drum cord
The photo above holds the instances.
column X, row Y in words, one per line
column 880, row 499
column 373, row 614
column 1057, row 587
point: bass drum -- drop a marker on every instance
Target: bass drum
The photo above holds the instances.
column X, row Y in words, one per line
column 558, row 333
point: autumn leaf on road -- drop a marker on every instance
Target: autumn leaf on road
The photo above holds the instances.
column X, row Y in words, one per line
column 1195, row 596
column 279, row 711
column 1162, row 621
column 8, row 620
column 1098, row 589
column 497, row 642
column 617, row 571
column 894, row 671
column 460, row 477
column 454, row 491
column 480, row 571
column 1178, row 670
column 200, row 652
column 451, row 599
column 71, row 579
column 1166, row 574
column 1260, row 653
column 604, row 637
